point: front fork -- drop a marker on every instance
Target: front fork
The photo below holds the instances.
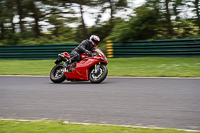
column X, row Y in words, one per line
column 97, row 67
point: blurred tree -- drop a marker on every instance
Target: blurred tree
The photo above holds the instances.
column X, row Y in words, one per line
column 196, row 10
column 168, row 18
column 41, row 10
column 101, row 30
column 10, row 15
column 80, row 4
column 7, row 13
column 20, row 7
column 59, row 25
column 186, row 29
column 177, row 8
column 169, row 11
column 113, row 6
column 156, row 19
column 3, row 17
column 139, row 27
column 36, row 13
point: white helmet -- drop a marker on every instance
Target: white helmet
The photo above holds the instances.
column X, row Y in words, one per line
column 95, row 40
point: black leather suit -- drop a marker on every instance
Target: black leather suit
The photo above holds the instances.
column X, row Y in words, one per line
column 83, row 47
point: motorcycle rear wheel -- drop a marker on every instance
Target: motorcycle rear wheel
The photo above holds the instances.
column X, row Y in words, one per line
column 98, row 77
column 57, row 74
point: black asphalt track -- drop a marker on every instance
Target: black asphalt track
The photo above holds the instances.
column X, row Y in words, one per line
column 160, row 102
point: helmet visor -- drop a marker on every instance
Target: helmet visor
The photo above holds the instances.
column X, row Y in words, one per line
column 96, row 42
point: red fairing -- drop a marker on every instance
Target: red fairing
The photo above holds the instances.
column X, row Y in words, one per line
column 65, row 54
column 81, row 70
column 83, row 56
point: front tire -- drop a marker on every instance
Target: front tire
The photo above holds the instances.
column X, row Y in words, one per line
column 57, row 74
column 100, row 76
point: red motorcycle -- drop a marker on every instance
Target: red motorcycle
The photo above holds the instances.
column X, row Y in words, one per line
column 91, row 67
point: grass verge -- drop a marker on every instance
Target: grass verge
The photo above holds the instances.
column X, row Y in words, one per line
column 14, row 126
column 132, row 67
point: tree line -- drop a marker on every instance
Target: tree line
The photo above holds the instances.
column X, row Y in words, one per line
column 24, row 21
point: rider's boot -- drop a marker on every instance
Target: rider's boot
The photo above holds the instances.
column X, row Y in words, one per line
column 72, row 66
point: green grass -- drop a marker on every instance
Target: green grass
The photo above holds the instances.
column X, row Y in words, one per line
column 26, row 67
column 155, row 67
column 133, row 67
column 13, row 126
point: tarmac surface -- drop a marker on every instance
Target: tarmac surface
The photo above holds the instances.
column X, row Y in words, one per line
column 158, row 102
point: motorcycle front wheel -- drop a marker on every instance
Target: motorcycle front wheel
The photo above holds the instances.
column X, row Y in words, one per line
column 98, row 77
column 57, row 74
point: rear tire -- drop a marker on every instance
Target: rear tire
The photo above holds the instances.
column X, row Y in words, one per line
column 57, row 74
column 98, row 77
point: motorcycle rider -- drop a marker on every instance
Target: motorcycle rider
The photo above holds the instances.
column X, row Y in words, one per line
column 86, row 46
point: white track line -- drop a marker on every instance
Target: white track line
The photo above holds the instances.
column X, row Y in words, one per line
column 31, row 76
column 108, row 77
